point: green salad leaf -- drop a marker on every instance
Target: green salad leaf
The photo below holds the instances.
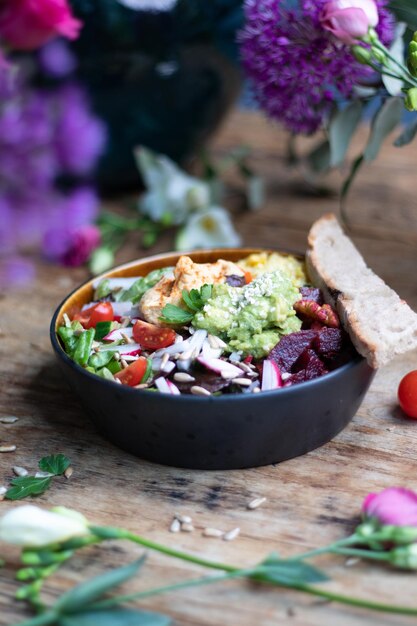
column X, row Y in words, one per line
column 55, row 464
column 194, row 300
column 25, row 486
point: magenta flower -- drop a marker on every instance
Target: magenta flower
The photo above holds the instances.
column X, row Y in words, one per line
column 349, row 20
column 71, row 247
column 28, row 24
column 394, row 506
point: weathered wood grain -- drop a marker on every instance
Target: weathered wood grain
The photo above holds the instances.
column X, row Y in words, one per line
column 310, row 501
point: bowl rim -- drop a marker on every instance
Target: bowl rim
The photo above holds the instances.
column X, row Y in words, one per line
column 287, row 391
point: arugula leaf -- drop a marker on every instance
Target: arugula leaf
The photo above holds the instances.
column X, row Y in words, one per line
column 287, row 572
column 116, row 617
column 55, row 464
column 172, row 314
column 24, row 486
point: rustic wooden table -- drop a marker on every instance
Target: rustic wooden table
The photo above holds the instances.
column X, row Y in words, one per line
column 310, row 500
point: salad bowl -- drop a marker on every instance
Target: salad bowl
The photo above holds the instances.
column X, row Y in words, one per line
column 230, row 431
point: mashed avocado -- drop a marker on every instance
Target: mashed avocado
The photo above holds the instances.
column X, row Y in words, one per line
column 252, row 319
column 263, row 262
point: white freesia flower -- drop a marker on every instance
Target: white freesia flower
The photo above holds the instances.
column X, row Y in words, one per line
column 208, row 229
column 149, row 5
column 31, row 527
column 170, row 190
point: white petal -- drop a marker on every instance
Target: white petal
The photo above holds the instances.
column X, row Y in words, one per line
column 208, row 229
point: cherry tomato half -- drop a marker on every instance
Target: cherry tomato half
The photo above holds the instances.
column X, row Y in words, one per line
column 407, row 394
column 101, row 312
column 133, row 373
column 152, row 337
column 248, row 277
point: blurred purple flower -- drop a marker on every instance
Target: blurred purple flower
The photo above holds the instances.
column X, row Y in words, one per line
column 71, row 247
column 56, row 59
column 15, row 272
column 298, row 69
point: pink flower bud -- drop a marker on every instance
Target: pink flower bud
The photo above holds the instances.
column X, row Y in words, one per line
column 395, row 506
column 28, row 24
column 349, row 20
column 71, row 247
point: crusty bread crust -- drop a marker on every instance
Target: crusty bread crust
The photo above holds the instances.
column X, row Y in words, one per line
column 379, row 323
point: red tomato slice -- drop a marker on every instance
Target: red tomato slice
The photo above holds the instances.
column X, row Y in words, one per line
column 133, row 373
column 101, row 312
column 407, row 394
column 152, row 337
column 248, row 278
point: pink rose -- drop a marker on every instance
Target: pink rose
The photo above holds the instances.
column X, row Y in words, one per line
column 71, row 247
column 395, row 506
column 349, row 20
column 28, row 24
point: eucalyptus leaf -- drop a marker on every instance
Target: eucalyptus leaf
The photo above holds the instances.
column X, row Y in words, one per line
column 287, row 572
column 86, row 593
column 384, row 122
column 55, row 464
column 341, row 130
column 115, row 617
column 407, row 136
column 318, row 160
column 397, row 50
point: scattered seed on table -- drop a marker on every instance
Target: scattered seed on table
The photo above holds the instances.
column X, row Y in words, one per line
column 20, row 471
column 183, row 377
column 199, row 391
column 69, row 472
column 43, row 475
column 2, row 490
column 7, row 448
column 231, row 534
column 352, row 561
column 8, row 419
column 184, row 519
column 212, row 532
column 256, row 503
column 243, row 382
column 187, row 528
column 175, row 526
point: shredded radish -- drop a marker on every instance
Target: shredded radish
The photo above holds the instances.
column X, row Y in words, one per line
column 126, row 348
column 271, row 376
column 115, row 335
column 219, row 366
column 166, row 386
column 181, row 346
column 197, row 340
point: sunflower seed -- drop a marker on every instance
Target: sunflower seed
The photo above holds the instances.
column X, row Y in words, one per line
column 243, row 367
column 164, row 360
column 285, row 375
column 68, row 472
column 185, row 355
column 196, row 390
column 183, row 377
column 256, row 390
column 8, row 419
column 118, row 381
column 187, row 528
column 184, row 519
column 231, row 534
column 221, row 343
column 123, row 363
column 255, row 503
column 7, row 448
column 43, row 475
column 126, row 338
column 2, row 490
column 244, row 382
column 212, row 532
column 253, row 374
column 213, row 342
column 352, row 561
column 20, row 471
column 175, row 526
column 142, row 386
column 227, row 375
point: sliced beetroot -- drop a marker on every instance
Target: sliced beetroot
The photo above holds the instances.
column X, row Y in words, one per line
column 235, row 281
column 312, row 293
column 310, row 363
column 290, row 347
column 328, row 342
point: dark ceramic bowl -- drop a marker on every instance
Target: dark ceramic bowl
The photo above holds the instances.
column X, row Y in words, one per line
column 223, row 432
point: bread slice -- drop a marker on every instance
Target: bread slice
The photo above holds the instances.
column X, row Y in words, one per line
column 379, row 323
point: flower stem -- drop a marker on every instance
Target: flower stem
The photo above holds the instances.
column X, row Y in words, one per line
column 406, row 75
column 347, row 541
column 363, row 554
column 41, row 620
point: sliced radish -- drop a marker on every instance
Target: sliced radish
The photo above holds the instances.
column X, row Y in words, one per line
column 124, row 309
column 115, row 335
column 166, row 386
column 271, row 376
column 181, row 346
column 220, row 366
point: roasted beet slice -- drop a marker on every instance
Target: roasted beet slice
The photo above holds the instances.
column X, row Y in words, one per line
column 328, row 342
column 309, row 362
column 312, row 293
column 290, row 347
column 235, row 281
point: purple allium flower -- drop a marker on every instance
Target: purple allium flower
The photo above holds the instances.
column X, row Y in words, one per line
column 15, row 272
column 298, row 69
column 56, row 59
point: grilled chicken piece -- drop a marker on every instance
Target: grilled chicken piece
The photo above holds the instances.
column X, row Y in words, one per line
column 187, row 275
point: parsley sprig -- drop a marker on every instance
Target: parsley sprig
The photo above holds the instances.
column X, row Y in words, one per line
column 194, row 300
column 24, row 486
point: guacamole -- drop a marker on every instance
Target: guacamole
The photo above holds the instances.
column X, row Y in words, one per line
column 252, row 319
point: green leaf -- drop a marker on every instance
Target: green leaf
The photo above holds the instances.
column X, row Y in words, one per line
column 116, row 617
column 172, row 314
column 100, row 359
column 25, row 486
column 86, row 593
column 192, row 299
column 206, row 293
column 54, row 464
column 407, row 136
column 103, row 289
column 287, row 572
column 384, row 122
column 341, row 130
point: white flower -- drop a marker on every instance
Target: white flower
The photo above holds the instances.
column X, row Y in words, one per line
column 149, row 5
column 208, row 229
column 170, row 190
column 31, row 527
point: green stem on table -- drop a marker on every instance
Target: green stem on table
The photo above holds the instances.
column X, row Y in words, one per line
column 363, row 554
column 347, row 541
column 50, row 617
